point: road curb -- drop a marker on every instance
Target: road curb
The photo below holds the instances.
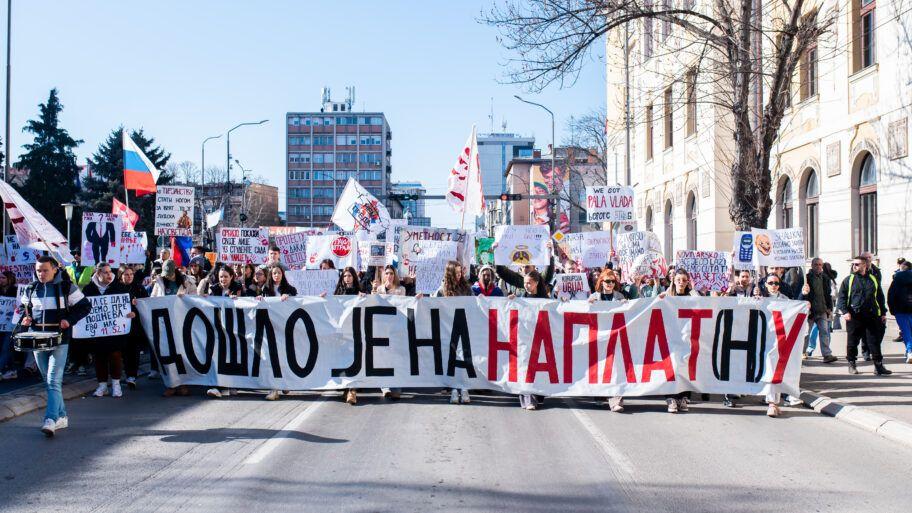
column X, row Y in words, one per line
column 862, row 418
column 33, row 397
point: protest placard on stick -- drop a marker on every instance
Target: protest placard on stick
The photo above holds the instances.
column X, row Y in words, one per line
column 709, row 270
column 242, row 245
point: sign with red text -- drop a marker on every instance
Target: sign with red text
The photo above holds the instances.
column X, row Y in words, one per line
column 174, row 211
column 589, row 249
column 709, row 270
column 133, row 246
column 242, row 245
column 570, row 286
column 340, row 248
column 293, row 248
column 609, row 204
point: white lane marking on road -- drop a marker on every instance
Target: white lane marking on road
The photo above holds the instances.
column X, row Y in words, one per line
column 270, row 445
column 609, row 449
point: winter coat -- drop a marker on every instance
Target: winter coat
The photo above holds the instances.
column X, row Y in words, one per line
column 159, row 289
column 50, row 303
column 899, row 297
column 491, row 291
column 820, row 296
column 865, row 298
column 95, row 289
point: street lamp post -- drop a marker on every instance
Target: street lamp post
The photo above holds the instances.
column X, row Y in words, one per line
column 228, row 163
column 68, row 214
column 246, row 182
column 203, row 178
column 554, row 220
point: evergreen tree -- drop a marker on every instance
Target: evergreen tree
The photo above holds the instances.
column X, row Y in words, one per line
column 50, row 162
column 106, row 180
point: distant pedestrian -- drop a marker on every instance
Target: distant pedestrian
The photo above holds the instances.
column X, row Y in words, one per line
column 816, row 291
column 861, row 300
column 899, row 298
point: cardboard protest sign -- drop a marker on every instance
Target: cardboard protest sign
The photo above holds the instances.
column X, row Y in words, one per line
column 743, row 251
column 484, row 251
column 108, row 317
column 7, row 311
column 522, row 245
column 589, row 249
column 101, row 238
column 174, row 211
column 16, row 254
column 133, row 246
column 340, row 247
column 313, row 282
column 709, row 270
column 779, row 248
column 570, row 286
column 242, row 245
column 609, row 203
column 374, row 254
column 430, row 263
column 293, row 248
column 651, row 264
column 629, row 246
column 406, row 238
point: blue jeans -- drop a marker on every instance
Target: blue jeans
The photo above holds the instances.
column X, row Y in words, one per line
column 51, row 364
column 905, row 327
column 820, row 328
column 6, row 350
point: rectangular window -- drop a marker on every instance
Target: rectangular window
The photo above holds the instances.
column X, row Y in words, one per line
column 318, row 158
column 868, row 211
column 666, row 23
column 327, row 121
column 691, row 102
column 864, row 32
column 317, row 121
column 669, row 122
column 649, row 132
column 328, row 158
column 376, row 120
column 307, row 121
column 808, row 76
column 294, row 121
column 647, row 33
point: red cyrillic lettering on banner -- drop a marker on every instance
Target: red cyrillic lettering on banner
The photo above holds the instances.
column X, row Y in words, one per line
column 542, row 337
column 696, row 317
column 785, row 343
column 572, row 319
column 618, row 329
column 657, row 333
column 495, row 346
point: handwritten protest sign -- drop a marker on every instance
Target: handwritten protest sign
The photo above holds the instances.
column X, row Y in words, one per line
column 651, row 264
column 629, row 246
column 16, row 254
column 7, row 309
column 609, row 203
column 101, row 238
column 108, row 317
column 743, row 251
column 174, row 211
column 339, row 247
column 293, row 247
column 430, row 263
column 589, row 249
column 242, row 245
column 571, row 286
column 374, row 254
column 779, row 248
column 133, row 246
column 521, row 245
column 313, row 282
column 484, row 251
column 405, row 245
column 709, row 270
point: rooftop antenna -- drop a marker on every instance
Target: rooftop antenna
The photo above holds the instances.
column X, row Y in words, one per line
column 503, row 125
column 325, row 93
column 491, row 115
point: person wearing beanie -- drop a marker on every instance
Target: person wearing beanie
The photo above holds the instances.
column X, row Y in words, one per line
column 485, row 285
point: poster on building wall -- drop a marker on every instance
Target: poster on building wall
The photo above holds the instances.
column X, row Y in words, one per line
column 522, row 245
column 709, row 270
column 174, row 211
column 609, row 204
column 242, row 245
column 779, row 248
column 544, row 182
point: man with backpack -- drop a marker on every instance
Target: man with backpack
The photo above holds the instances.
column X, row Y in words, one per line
column 861, row 300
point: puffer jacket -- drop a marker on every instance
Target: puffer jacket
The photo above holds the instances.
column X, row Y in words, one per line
column 49, row 303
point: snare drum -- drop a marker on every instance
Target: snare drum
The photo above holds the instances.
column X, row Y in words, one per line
column 37, row 340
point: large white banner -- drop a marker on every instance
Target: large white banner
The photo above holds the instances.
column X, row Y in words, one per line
column 609, row 203
column 242, row 245
column 779, row 248
column 341, row 248
column 549, row 347
column 108, row 317
column 101, row 238
column 521, row 245
column 174, row 211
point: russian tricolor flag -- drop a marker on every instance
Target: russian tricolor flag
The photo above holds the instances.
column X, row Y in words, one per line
column 139, row 173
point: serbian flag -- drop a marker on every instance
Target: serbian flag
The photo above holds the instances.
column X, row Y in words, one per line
column 180, row 250
column 129, row 217
column 139, row 173
column 464, row 192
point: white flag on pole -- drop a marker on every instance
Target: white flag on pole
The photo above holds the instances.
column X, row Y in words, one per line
column 464, row 191
column 214, row 218
column 33, row 230
column 359, row 210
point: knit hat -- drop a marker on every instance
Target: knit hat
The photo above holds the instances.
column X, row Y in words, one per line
column 169, row 269
column 198, row 260
column 489, row 268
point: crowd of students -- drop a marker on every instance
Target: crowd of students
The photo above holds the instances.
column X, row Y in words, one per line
column 859, row 298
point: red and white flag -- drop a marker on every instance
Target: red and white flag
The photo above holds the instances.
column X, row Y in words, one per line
column 32, row 229
column 464, row 191
column 129, row 217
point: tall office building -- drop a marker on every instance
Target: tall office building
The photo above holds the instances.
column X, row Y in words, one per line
column 495, row 152
column 412, row 208
column 326, row 148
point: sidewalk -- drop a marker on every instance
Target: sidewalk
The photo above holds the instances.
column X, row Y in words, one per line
column 881, row 404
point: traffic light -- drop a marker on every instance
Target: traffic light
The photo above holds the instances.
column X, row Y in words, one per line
column 243, row 218
column 510, row 197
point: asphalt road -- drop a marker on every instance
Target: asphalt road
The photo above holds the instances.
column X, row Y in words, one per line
column 311, row 452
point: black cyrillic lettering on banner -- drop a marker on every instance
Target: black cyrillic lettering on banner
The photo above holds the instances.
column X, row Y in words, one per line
column 372, row 342
column 754, row 346
column 355, row 367
column 264, row 326
column 433, row 342
column 460, row 333
column 232, row 359
column 290, row 352
column 201, row 367
column 158, row 315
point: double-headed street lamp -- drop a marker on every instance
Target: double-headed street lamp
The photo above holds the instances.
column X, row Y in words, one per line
column 228, row 162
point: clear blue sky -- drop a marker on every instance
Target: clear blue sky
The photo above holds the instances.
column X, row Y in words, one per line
column 184, row 70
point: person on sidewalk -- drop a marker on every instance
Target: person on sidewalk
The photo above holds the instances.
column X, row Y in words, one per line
column 53, row 303
column 899, row 268
column 861, row 300
column 816, row 291
column 899, row 299
column 108, row 350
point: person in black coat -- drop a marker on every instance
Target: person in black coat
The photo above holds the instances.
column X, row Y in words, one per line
column 899, row 299
column 108, row 350
column 225, row 285
column 277, row 285
column 136, row 339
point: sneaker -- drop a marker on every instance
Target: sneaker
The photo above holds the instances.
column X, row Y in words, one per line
column 273, row 395
column 682, row 404
column 154, row 375
column 728, row 402
column 795, row 402
column 908, row 360
column 464, row 396
column 773, row 410
column 214, row 393
column 70, row 367
column 351, row 397
column 81, row 371
column 131, row 383
column 530, row 406
column 101, row 390
column 867, row 356
column 805, row 356
column 899, row 338
column 10, row 375
column 62, row 423
column 852, row 368
column 116, row 391
column 454, row 396
column 830, row 358
column 616, row 404
column 672, row 405
column 49, row 428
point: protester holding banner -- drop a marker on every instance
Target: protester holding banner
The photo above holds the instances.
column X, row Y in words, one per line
column 171, row 282
column 390, row 283
column 277, row 285
column 455, row 284
column 53, row 304
column 226, row 286
column 260, row 279
column 348, row 283
column 606, row 290
column 681, row 286
column 485, row 285
column 136, row 339
column 108, row 350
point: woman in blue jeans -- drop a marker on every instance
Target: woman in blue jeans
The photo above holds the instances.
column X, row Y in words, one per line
column 53, row 304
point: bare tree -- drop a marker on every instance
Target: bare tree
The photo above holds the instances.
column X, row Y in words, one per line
column 743, row 54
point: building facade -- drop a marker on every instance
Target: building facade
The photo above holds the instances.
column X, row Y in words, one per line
column 413, row 208
column 258, row 203
column 841, row 166
column 326, row 148
column 495, row 152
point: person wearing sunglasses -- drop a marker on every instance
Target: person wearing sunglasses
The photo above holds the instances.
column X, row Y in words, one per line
column 861, row 300
column 606, row 289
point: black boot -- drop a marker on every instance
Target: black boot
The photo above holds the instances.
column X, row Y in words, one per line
column 852, row 368
column 880, row 370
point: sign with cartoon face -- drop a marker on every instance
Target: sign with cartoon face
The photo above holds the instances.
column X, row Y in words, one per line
column 778, row 248
column 521, row 245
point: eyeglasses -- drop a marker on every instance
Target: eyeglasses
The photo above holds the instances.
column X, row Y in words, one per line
column 610, row 281
column 857, row 264
column 772, row 284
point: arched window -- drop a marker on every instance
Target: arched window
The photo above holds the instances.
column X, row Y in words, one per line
column 691, row 221
column 867, row 205
column 784, row 204
column 649, row 219
column 669, row 232
column 811, row 194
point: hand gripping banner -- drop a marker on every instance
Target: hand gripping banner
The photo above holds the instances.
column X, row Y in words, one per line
column 642, row 347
